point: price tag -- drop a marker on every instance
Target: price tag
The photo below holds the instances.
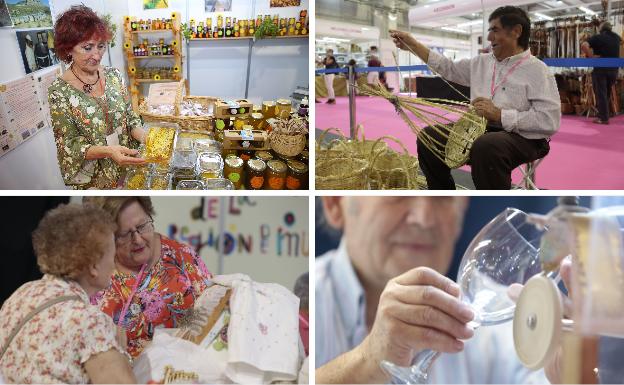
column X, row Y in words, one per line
column 247, row 135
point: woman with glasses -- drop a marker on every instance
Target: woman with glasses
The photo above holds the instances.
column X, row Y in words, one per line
column 156, row 279
column 49, row 332
column 95, row 129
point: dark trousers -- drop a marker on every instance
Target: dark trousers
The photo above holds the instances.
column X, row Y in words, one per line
column 602, row 81
column 492, row 158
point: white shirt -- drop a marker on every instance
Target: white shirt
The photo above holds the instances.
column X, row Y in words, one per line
column 488, row 357
column 528, row 96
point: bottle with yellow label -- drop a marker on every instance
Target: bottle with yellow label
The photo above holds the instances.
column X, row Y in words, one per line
column 236, row 28
column 219, row 26
column 208, row 27
column 228, row 27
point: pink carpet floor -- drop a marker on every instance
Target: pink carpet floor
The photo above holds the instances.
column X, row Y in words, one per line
column 583, row 155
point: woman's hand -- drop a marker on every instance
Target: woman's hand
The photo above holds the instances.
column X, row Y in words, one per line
column 124, row 156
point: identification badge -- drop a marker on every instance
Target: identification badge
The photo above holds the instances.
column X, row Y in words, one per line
column 112, row 139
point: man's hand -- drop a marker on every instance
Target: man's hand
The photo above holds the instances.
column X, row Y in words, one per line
column 485, row 107
column 403, row 40
column 418, row 310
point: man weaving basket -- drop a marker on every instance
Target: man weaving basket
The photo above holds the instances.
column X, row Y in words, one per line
column 509, row 87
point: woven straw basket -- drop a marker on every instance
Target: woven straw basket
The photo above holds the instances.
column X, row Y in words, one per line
column 287, row 145
column 342, row 174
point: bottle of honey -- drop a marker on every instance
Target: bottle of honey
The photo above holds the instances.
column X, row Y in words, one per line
column 236, row 28
column 220, row 26
column 208, row 27
column 228, row 27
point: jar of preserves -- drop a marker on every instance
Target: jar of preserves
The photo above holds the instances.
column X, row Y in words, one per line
column 257, row 121
column 297, row 178
column 240, row 123
column 255, row 174
column 304, row 157
column 209, row 165
column 246, row 155
column 268, row 109
column 282, row 108
column 233, row 170
column 264, row 156
column 275, row 175
column 256, row 108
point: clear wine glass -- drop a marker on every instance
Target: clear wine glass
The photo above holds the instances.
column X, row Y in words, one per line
column 504, row 252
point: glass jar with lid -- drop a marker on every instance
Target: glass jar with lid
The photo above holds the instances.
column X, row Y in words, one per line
column 254, row 179
column 282, row 108
column 275, row 175
column 268, row 109
column 304, row 156
column 297, row 177
column 245, row 155
column 233, row 170
column 257, row 121
column 264, row 156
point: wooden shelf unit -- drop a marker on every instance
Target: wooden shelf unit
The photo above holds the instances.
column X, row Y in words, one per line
column 132, row 38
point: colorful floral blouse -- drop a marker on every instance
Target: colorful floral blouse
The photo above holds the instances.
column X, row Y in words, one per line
column 163, row 297
column 53, row 346
column 80, row 121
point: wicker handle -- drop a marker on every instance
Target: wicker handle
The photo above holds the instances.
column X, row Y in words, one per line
column 411, row 184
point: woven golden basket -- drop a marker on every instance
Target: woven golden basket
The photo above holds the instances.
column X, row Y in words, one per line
column 342, row 174
column 345, row 148
column 462, row 135
column 391, row 170
column 287, row 145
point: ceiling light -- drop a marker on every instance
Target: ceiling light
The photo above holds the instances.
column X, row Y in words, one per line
column 392, row 16
column 365, row 29
column 543, row 17
column 587, row 11
column 469, row 23
column 454, row 29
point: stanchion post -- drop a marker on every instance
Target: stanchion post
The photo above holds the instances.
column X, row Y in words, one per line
column 351, row 80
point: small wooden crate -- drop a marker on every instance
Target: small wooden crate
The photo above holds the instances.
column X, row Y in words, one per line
column 232, row 140
column 222, row 110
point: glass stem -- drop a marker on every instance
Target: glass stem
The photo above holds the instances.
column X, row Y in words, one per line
column 418, row 373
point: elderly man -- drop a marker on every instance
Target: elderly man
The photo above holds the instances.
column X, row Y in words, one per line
column 513, row 90
column 382, row 295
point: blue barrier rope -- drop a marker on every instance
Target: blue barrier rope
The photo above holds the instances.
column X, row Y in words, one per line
column 566, row 63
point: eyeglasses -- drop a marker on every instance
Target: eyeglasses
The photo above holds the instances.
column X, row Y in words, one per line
column 140, row 229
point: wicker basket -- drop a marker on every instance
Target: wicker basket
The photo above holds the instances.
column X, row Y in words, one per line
column 461, row 136
column 287, row 145
column 345, row 148
column 199, row 123
column 342, row 174
column 391, row 170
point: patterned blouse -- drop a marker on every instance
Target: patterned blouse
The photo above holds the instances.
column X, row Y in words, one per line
column 163, row 297
column 53, row 346
column 80, row 121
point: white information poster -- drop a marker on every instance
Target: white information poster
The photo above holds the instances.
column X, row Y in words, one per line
column 44, row 81
column 22, row 113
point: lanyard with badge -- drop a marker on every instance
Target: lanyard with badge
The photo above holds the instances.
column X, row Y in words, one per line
column 493, row 85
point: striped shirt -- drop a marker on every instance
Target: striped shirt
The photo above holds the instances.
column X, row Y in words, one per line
column 527, row 96
column 488, row 357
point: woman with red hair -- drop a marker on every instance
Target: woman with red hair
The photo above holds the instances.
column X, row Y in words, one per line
column 95, row 129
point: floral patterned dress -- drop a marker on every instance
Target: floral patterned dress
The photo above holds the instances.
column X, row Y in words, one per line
column 80, row 121
column 53, row 346
column 164, row 295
